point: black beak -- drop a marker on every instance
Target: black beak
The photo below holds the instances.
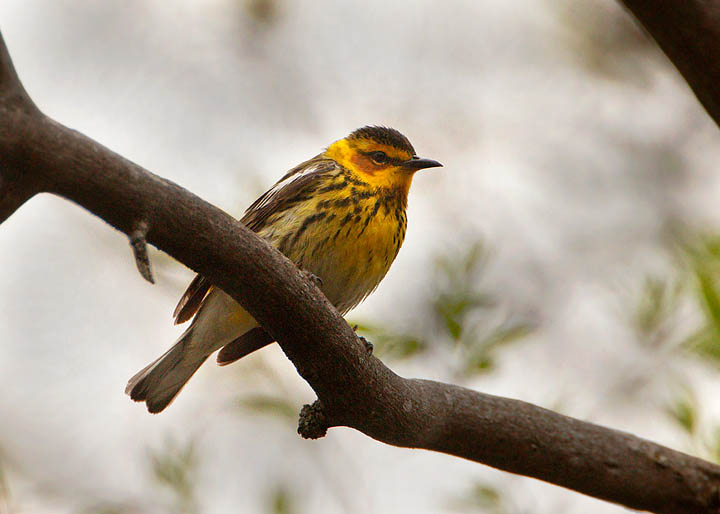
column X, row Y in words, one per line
column 418, row 163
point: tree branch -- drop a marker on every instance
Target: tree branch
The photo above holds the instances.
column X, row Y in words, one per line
column 354, row 388
column 16, row 186
column 688, row 31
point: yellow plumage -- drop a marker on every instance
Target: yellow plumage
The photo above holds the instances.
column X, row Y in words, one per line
column 340, row 216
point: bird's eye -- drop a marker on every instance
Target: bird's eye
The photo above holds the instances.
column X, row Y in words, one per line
column 379, row 157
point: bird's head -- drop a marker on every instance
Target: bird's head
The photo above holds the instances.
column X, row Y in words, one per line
column 380, row 156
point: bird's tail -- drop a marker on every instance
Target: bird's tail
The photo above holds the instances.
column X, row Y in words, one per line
column 158, row 383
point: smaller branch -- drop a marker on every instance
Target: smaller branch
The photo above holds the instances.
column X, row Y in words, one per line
column 138, row 243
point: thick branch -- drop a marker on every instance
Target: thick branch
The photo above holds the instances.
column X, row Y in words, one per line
column 354, row 388
column 12, row 194
column 688, row 31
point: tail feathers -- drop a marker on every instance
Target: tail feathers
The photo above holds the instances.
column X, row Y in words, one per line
column 159, row 383
column 245, row 344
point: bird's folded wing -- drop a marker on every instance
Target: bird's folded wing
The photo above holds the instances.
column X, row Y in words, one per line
column 302, row 179
column 247, row 343
column 192, row 299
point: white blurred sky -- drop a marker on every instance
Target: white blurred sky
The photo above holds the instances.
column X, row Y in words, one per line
column 568, row 152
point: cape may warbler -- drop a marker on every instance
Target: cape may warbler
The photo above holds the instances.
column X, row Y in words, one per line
column 339, row 216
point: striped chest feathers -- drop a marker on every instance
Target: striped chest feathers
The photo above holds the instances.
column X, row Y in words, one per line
column 348, row 239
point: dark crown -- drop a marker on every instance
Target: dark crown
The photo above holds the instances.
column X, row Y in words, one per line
column 384, row 135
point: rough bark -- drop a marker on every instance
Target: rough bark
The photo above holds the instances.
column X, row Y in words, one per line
column 354, row 388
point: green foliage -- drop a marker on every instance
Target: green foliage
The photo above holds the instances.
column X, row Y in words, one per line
column 714, row 446
column 696, row 282
column 662, row 305
column 687, row 413
column 468, row 314
column 281, row 500
column 486, row 496
column 684, row 412
column 390, row 344
column 482, row 497
column 174, row 467
column 705, row 344
column 702, row 258
column 658, row 304
column 277, row 402
column 270, row 405
column 457, row 296
column 460, row 314
column 481, row 351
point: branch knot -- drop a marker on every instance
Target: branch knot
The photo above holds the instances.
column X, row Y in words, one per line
column 313, row 422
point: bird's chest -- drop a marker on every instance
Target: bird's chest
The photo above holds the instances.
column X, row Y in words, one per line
column 352, row 249
column 368, row 245
column 360, row 257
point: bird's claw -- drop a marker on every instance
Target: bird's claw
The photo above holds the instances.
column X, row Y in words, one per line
column 368, row 345
column 312, row 277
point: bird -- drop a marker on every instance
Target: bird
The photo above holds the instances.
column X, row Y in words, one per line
column 340, row 217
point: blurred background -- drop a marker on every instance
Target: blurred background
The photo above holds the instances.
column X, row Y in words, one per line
column 566, row 255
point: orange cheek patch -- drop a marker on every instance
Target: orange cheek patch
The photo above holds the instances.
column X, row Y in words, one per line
column 363, row 163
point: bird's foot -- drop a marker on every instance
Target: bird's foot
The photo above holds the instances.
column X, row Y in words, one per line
column 368, row 345
column 312, row 277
